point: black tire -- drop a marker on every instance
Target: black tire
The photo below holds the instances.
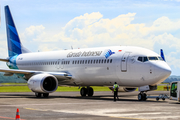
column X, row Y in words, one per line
column 140, row 97
column 144, row 97
column 163, row 98
column 157, row 98
column 46, row 95
column 38, row 95
column 90, row 91
column 83, row 91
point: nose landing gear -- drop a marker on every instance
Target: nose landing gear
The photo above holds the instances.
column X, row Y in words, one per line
column 142, row 96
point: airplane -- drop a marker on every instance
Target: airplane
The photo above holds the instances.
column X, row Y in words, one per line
column 129, row 66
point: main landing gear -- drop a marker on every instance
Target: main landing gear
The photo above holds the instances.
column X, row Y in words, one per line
column 86, row 91
column 39, row 95
column 142, row 96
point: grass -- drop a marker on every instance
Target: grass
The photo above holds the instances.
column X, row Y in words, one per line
column 13, row 83
column 60, row 88
column 162, row 88
column 14, row 89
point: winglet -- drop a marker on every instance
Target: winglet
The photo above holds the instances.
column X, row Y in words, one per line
column 162, row 55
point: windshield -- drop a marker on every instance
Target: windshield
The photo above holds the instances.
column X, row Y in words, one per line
column 142, row 59
column 150, row 58
column 155, row 58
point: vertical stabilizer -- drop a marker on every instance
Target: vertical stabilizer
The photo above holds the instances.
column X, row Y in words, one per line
column 14, row 44
column 162, row 54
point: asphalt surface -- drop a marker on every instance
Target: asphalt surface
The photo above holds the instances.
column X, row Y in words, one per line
column 70, row 105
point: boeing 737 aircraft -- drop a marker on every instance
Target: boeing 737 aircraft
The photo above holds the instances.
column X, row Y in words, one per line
column 130, row 67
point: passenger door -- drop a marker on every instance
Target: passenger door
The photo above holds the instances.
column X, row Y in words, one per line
column 124, row 62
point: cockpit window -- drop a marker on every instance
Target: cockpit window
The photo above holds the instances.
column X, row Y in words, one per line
column 142, row 59
column 160, row 58
column 145, row 59
column 153, row 58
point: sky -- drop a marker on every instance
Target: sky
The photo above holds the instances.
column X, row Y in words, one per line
column 50, row 25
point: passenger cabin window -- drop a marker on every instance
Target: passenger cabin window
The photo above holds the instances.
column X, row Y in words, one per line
column 96, row 61
column 111, row 61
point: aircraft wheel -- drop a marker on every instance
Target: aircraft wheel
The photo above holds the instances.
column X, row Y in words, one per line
column 90, row 91
column 140, row 96
column 46, row 95
column 144, row 96
column 157, row 98
column 38, row 95
column 83, row 91
column 163, row 98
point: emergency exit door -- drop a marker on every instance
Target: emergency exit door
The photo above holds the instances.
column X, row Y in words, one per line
column 60, row 64
column 124, row 62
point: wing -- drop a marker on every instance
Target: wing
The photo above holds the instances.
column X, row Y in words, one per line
column 4, row 60
column 58, row 75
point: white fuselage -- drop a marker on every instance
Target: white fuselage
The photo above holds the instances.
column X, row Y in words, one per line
column 90, row 67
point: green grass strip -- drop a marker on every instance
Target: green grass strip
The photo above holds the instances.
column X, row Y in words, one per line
column 60, row 88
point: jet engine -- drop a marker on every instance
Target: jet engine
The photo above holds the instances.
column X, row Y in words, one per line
column 43, row 83
column 123, row 89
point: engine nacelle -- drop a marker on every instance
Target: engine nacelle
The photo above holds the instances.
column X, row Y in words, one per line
column 123, row 89
column 43, row 83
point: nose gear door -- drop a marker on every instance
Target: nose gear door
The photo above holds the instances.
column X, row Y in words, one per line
column 124, row 62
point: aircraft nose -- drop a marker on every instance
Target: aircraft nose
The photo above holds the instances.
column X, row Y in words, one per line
column 166, row 70
column 162, row 71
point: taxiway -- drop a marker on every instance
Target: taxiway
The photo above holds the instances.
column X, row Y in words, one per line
column 70, row 105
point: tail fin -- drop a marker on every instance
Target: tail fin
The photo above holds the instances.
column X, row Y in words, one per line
column 14, row 44
column 162, row 55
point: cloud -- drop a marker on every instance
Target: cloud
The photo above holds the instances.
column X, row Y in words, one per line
column 33, row 30
column 92, row 30
column 173, row 0
column 3, row 46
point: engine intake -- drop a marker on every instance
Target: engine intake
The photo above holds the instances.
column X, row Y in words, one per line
column 43, row 83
